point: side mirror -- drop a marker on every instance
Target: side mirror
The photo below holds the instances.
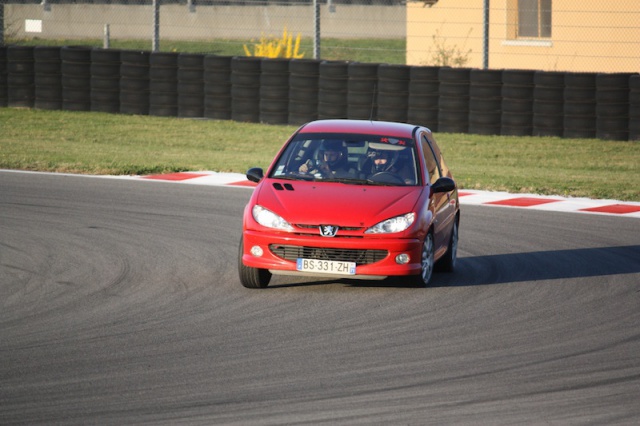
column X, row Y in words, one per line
column 255, row 174
column 444, row 184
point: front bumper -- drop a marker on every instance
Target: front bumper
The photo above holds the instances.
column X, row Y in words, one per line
column 381, row 265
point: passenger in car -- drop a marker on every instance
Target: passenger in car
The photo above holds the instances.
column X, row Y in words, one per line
column 386, row 161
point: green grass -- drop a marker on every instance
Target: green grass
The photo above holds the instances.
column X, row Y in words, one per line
column 390, row 51
column 99, row 143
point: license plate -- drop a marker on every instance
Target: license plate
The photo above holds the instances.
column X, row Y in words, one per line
column 326, row 266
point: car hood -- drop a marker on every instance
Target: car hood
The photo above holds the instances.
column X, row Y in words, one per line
column 336, row 203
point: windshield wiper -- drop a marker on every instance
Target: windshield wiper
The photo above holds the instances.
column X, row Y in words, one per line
column 354, row 181
column 295, row 176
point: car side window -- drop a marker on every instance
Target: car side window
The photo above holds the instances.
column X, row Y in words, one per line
column 430, row 160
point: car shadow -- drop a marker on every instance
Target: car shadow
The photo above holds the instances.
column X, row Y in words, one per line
column 514, row 267
column 542, row 265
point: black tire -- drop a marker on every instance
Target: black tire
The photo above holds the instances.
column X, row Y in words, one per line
column 275, row 66
column 163, row 86
column 580, row 79
column 454, row 75
column 190, row 87
column 274, row 80
column 485, row 91
column 105, row 56
column 424, row 101
column 251, row 277
column 309, row 96
column 104, row 69
column 393, row 100
column 76, row 54
column 217, row 77
column 164, row 59
column 549, row 79
column 580, row 108
column 447, row 262
column 304, row 67
column 489, row 117
column 394, row 72
column 334, row 69
column 190, row 74
column 423, row 279
column 303, row 81
column 329, row 83
column 246, row 64
column 486, row 77
column 421, row 73
column 518, row 77
column 219, row 63
column 425, row 87
column 46, row 54
column 191, row 60
column 339, row 97
column 360, row 70
column 135, row 57
column 543, row 93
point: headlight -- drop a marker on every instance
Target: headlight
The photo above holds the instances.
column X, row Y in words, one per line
column 395, row 224
column 269, row 219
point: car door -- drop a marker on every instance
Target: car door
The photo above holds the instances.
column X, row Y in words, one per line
column 441, row 203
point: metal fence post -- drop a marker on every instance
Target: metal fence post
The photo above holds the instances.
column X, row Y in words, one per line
column 1, row 22
column 155, row 44
column 485, row 36
column 316, row 29
column 106, row 41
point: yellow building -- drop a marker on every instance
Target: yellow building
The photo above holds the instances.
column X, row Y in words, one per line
column 548, row 35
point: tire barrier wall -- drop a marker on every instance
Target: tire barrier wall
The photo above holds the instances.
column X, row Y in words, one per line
column 274, row 91
column 47, row 78
column 217, row 87
column 333, row 89
column 134, row 82
column 3, row 77
column 304, row 84
column 517, row 103
column 634, row 107
column 76, row 78
column 283, row 91
column 190, row 85
column 163, row 84
column 485, row 101
column 105, row 80
column 453, row 102
column 548, row 103
column 424, row 91
column 20, row 76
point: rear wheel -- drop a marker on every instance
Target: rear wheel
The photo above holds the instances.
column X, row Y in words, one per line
column 427, row 259
column 251, row 277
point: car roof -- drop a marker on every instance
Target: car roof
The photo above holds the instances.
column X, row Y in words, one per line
column 360, row 126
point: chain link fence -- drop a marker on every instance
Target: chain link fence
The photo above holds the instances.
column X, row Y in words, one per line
column 359, row 61
column 567, row 35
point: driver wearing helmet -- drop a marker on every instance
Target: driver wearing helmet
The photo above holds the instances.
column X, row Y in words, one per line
column 332, row 160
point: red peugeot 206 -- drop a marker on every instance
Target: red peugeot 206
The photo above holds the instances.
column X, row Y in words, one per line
column 351, row 199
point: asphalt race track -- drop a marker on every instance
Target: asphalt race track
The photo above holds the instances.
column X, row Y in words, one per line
column 120, row 304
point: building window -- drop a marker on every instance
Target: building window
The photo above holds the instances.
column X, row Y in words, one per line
column 534, row 19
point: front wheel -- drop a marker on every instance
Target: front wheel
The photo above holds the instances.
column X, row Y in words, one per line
column 251, row 277
column 427, row 259
column 448, row 261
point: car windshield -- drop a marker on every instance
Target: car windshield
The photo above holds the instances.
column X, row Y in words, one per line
column 349, row 158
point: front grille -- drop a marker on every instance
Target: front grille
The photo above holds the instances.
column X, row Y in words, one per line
column 342, row 228
column 360, row 257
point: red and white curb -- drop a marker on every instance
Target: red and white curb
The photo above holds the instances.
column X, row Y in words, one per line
column 468, row 197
